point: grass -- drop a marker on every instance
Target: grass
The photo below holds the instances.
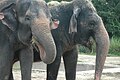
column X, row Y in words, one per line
column 115, row 46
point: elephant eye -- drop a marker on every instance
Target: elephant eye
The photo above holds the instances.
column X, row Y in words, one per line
column 92, row 23
column 27, row 18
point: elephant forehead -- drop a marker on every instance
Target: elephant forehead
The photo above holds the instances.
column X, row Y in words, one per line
column 83, row 4
column 38, row 2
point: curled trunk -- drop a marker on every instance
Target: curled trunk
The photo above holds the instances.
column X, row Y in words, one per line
column 45, row 42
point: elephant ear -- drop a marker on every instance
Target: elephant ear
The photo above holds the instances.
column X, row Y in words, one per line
column 8, row 17
column 54, row 23
column 73, row 20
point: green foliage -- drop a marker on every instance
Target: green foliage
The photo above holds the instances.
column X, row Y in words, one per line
column 109, row 10
column 114, row 46
column 83, row 49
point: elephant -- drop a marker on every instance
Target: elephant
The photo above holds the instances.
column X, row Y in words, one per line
column 78, row 22
column 23, row 22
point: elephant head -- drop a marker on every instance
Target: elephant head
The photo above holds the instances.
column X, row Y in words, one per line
column 31, row 19
column 34, row 20
column 84, row 23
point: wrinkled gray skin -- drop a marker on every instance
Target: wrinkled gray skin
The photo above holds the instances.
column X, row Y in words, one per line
column 78, row 22
column 21, row 21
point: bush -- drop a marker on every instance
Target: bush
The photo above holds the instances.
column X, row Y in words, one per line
column 114, row 46
column 109, row 10
column 83, row 49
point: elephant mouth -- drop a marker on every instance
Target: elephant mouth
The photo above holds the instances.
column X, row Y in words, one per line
column 41, row 50
column 39, row 47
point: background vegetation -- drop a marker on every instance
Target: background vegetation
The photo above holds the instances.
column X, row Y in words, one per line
column 109, row 10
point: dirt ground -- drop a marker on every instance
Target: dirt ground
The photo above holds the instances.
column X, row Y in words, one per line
column 85, row 69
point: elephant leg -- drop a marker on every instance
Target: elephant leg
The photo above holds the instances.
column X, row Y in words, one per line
column 26, row 59
column 6, row 57
column 70, row 63
column 11, row 75
column 52, row 69
column 14, row 60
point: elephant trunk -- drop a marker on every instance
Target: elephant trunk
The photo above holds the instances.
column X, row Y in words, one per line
column 102, row 48
column 41, row 33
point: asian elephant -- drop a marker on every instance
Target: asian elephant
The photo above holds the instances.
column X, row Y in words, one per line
column 20, row 21
column 78, row 22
